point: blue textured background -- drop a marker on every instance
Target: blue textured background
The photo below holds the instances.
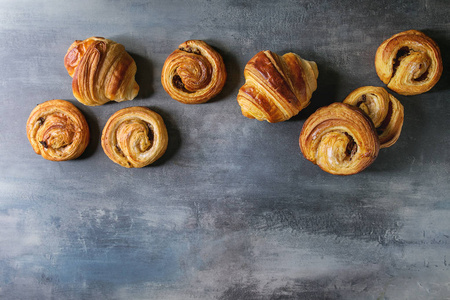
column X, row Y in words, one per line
column 232, row 210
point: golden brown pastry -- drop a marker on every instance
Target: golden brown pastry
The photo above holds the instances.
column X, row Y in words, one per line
column 134, row 137
column 385, row 111
column 102, row 71
column 340, row 139
column 277, row 87
column 57, row 130
column 409, row 63
column 194, row 73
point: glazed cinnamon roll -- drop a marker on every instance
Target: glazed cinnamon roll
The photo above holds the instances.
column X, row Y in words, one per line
column 102, row 71
column 385, row 111
column 409, row 63
column 194, row 73
column 340, row 139
column 277, row 87
column 57, row 130
column 134, row 137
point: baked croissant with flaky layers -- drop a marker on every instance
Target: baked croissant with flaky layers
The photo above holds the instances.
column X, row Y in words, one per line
column 57, row 130
column 409, row 63
column 277, row 87
column 340, row 139
column 102, row 71
column 385, row 111
column 134, row 137
column 194, row 73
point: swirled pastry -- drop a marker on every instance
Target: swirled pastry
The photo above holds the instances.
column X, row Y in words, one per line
column 340, row 139
column 385, row 111
column 194, row 73
column 409, row 63
column 134, row 137
column 277, row 87
column 102, row 71
column 57, row 130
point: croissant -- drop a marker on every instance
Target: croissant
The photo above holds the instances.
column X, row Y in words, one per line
column 385, row 111
column 194, row 73
column 57, row 130
column 102, row 71
column 409, row 63
column 277, row 87
column 134, row 137
column 340, row 139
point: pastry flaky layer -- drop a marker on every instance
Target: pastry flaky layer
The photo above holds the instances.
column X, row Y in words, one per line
column 385, row 111
column 277, row 87
column 194, row 73
column 340, row 139
column 134, row 137
column 102, row 71
column 57, row 130
column 409, row 63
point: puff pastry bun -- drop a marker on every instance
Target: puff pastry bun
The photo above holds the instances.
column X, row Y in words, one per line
column 134, row 137
column 57, row 130
column 340, row 139
column 385, row 111
column 194, row 73
column 102, row 71
column 409, row 63
column 277, row 87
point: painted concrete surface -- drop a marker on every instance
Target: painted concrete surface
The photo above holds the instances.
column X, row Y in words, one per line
column 232, row 210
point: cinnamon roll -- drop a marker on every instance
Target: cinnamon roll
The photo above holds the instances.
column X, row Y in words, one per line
column 409, row 63
column 57, row 130
column 194, row 73
column 385, row 111
column 277, row 87
column 134, row 137
column 340, row 139
column 102, row 71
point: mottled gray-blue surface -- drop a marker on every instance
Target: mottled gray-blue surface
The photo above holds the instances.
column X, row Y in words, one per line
column 232, row 210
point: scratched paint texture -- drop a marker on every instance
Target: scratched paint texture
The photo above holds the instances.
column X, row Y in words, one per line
column 232, row 210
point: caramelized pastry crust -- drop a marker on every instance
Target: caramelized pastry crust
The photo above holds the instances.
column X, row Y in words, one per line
column 340, row 139
column 385, row 111
column 57, row 130
column 194, row 73
column 409, row 63
column 277, row 87
column 102, row 71
column 134, row 137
